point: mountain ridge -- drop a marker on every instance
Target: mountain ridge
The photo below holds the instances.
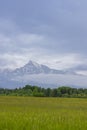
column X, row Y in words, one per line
column 38, row 74
column 34, row 68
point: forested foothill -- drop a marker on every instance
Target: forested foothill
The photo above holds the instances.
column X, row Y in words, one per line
column 36, row 91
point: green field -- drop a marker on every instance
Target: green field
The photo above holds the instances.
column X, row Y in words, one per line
column 30, row 113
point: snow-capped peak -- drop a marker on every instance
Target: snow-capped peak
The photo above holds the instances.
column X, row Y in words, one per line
column 34, row 68
column 32, row 63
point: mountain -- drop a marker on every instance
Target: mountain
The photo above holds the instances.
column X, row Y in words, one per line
column 34, row 68
column 38, row 74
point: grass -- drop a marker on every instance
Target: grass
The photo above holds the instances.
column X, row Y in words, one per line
column 29, row 113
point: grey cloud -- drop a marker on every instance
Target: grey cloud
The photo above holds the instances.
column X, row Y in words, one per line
column 43, row 27
column 64, row 23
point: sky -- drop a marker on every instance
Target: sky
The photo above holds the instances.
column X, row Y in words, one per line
column 50, row 32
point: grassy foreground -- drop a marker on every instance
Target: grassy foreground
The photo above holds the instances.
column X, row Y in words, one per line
column 29, row 113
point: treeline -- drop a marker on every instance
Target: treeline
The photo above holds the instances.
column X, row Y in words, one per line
column 36, row 91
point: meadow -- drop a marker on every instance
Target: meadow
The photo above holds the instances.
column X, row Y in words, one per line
column 34, row 113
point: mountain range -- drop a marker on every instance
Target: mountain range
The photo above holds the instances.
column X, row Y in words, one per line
column 37, row 74
column 33, row 68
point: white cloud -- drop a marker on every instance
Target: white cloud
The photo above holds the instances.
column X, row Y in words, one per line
column 16, row 49
column 11, row 61
column 53, row 61
column 60, row 61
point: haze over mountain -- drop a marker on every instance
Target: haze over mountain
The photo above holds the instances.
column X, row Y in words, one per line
column 38, row 74
column 34, row 68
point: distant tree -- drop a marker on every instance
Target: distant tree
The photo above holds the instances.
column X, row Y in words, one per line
column 29, row 90
column 54, row 93
column 59, row 94
column 48, row 92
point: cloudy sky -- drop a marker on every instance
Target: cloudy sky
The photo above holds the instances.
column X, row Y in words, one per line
column 51, row 32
